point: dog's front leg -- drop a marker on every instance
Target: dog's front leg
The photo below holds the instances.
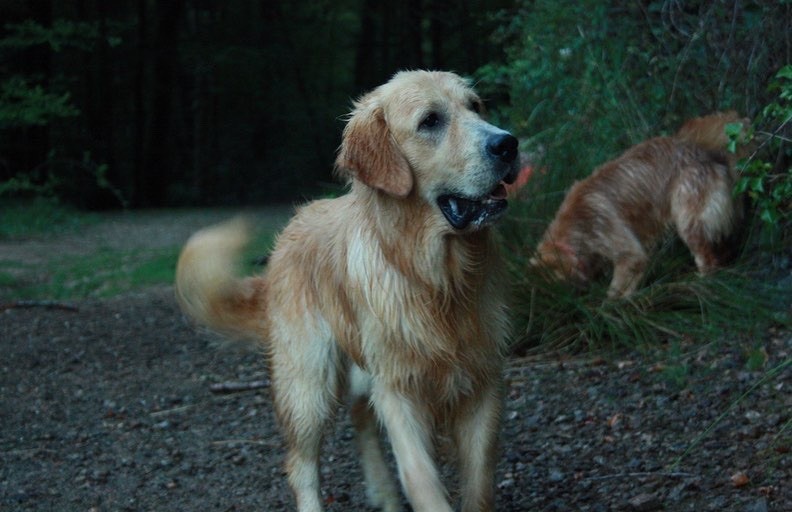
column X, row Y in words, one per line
column 628, row 269
column 410, row 432
column 476, row 437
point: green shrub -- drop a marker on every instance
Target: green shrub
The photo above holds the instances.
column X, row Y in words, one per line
column 768, row 180
column 583, row 81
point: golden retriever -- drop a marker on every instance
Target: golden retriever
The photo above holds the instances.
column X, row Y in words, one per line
column 391, row 295
column 618, row 214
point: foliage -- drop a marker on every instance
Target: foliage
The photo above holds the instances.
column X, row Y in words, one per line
column 61, row 34
column 24, row 101
column 769, row 184
column 601, row 76
column 49, row 180
column 588, row 79
column 24, row 104
column 31, row 101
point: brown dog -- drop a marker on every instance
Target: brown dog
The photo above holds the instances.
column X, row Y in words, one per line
column 618, row 214
column 390, row 294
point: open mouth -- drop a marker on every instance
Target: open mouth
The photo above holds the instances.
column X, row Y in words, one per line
column 461, row 211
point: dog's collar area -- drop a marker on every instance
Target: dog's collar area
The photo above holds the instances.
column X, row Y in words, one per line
column 461, row 211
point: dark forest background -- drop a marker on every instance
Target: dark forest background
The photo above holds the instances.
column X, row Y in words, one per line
column 153, row 103
column 146, row 103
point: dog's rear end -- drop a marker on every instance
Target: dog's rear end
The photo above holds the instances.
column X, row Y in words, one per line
column 707, row 215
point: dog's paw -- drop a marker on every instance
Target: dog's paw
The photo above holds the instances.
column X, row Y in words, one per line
column 384, row 497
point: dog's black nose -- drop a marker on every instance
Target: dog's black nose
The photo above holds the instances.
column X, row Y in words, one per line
column 503, row 146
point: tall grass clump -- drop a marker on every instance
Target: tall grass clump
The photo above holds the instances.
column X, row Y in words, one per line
column 582, row 82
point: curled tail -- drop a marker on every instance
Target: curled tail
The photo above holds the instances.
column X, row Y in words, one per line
column 709, row 132
column 208, row 287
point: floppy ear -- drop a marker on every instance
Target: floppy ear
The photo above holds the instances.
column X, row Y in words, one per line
column 369, row 153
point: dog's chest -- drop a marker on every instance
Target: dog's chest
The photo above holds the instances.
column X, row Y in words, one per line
column 416, row 329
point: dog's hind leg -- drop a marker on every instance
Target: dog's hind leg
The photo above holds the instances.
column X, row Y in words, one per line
column 705, row 216
column 702, row 249
column 381, row 489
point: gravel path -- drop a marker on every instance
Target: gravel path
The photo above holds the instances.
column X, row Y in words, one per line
column 111, row 407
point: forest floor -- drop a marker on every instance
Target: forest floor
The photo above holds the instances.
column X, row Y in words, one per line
column 118, row 404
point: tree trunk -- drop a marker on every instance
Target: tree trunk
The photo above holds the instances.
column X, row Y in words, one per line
column 139, row 106
column 413, row 46
column 364, row 52
column 39, row 62
column 158, row 162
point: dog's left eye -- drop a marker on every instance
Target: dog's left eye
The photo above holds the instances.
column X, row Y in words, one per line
column 475, row 106
column 432, row 120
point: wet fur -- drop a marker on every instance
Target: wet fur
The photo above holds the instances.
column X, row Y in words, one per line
column 619, row 214
column 373, row 298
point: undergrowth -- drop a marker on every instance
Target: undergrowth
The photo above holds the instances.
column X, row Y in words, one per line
column 39, row 215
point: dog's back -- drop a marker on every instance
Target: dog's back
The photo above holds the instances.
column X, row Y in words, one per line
column 709, row 212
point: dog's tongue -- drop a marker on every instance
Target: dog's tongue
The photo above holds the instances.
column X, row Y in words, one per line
column 499, row 192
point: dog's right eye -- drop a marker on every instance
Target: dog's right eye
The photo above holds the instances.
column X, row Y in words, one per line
column 432, row 120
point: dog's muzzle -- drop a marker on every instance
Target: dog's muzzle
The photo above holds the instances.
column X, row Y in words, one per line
column 462, row 212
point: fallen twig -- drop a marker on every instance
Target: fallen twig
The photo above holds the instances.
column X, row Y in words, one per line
column 174, row 410
column 641, row 474
column 236, row 387
column 261, row 442
column 47, row 304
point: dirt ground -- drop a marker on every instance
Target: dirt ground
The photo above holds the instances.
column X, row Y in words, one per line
column 120, row 405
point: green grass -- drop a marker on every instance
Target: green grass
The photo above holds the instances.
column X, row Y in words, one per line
column 39, row 216
column 102, row 273
column 105, row 273
column 673, row 303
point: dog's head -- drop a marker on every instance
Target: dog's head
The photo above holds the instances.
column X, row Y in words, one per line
column 423, row 133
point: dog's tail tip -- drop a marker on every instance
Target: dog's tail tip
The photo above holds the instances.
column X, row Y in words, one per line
column 208, row 288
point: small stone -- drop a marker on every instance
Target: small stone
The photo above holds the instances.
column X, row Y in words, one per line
column 759, row 505
column 556, row 475
column 740, row 479
column 644, row 503
column 508, row 482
